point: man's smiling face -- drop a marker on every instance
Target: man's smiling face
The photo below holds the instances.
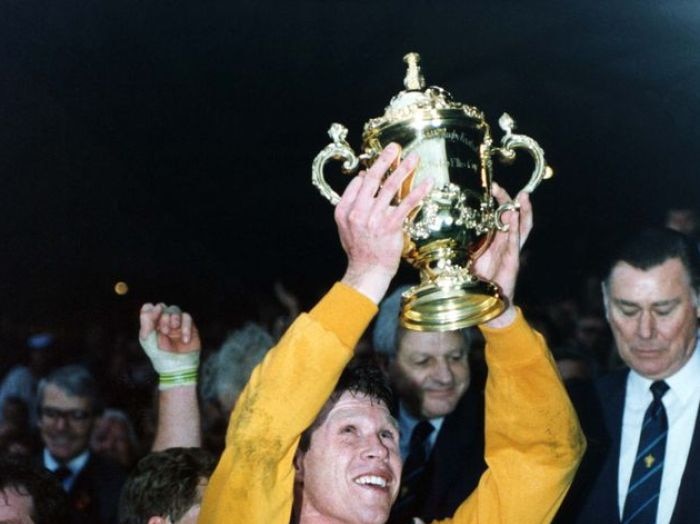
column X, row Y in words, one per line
column 431, row 371
column 65, row 423
column 352, row 469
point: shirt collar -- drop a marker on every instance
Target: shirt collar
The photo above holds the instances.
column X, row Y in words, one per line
column 75, row 465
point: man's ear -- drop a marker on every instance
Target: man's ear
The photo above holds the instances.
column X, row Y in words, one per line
column 298, row 466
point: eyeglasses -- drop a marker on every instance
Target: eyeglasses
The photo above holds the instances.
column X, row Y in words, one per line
column 74, row 415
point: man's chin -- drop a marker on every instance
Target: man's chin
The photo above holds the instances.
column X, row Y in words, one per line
column 652, row 365
column 62, row 453
column 653, row 371
column 372, row 515
column 440, row 407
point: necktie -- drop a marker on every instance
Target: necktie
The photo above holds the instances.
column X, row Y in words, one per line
column 413, row 467
column 643, row 493
column 62, row 473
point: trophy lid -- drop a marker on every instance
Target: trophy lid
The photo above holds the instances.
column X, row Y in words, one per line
column 416, row 103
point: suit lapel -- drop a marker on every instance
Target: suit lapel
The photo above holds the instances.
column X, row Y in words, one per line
column 612, row 398
column 456, row 460
column 593, row 496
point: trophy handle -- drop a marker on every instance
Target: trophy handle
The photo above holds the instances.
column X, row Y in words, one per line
column 511, row 141
column 339, row 149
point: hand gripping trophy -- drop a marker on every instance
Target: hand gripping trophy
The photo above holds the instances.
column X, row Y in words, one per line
column 457, row 220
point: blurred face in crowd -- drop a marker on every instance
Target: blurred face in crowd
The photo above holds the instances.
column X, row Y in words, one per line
column 430, row 371
column 65, row 422
column 15, row 507
column 352, row 469
column 653, row 316
column 111, row 438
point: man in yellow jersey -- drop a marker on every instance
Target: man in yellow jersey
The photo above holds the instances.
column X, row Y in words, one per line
column 346, row 467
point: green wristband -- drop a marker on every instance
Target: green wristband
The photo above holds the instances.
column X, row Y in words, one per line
column 178, row 378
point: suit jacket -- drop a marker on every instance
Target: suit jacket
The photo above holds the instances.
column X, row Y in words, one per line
column 94, row 496
column 456, row 461
column 592, row 497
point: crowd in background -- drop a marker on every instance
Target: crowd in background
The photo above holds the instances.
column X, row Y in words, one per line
column 575, row 328
column 128, row 384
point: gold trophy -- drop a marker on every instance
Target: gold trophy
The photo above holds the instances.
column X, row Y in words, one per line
column 456, row 222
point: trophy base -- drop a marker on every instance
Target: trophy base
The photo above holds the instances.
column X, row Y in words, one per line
column 434, row 307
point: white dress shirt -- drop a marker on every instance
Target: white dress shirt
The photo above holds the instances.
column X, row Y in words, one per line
column 681, row 404
column 75, row 466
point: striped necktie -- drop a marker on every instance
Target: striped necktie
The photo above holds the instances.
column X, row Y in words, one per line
column 409, row 495
column 643, row 493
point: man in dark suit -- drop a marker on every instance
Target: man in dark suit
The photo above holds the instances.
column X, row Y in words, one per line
column 430, row 375
column 69, row 404
column 643, row 458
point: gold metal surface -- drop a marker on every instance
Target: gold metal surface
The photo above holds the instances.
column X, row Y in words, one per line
column 456, row 222
column 435, row 307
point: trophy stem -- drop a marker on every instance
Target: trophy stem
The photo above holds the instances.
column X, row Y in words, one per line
column 449, row 306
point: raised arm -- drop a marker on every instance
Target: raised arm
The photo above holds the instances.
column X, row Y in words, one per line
column 532, row 435
column 501, row 261
column 370, row 228
column 255, row 477
column 171, row 340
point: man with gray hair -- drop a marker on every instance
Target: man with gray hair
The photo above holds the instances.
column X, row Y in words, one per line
column 224, row 375
column 441, row 419
column 226, row 372
column 68, row 406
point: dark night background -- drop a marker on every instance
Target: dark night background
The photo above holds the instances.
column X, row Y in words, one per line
column 169, row 144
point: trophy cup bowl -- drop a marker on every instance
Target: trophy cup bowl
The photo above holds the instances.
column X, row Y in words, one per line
column 456, row 222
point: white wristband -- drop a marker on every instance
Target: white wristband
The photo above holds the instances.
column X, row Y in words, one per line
column 174, row 369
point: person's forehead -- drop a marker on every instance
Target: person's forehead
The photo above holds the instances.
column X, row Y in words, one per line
column 351, row 405
column 669, row 275
column 430, row 342
column 56, row 397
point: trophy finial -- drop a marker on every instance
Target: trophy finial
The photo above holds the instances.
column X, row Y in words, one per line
column 414, row 79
